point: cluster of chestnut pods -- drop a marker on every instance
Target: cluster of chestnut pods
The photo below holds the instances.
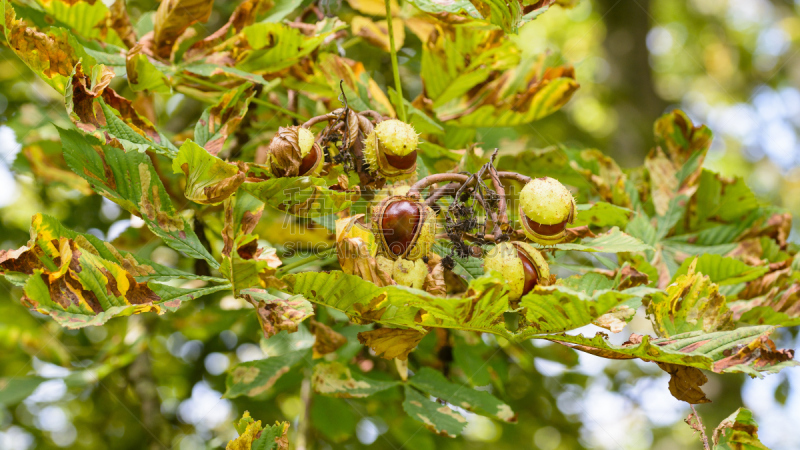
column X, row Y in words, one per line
column 402, row 224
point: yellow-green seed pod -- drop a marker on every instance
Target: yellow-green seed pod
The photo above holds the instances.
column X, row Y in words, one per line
column 546, row 207
column 410, row 273
column 354, row 227
column 391, row 149
column 305, row 140
column 385, row 264
column 521, row 265
column 403, row 227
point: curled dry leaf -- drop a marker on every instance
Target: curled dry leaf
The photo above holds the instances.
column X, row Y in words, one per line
column 244, row 15
column 759, row 353
column 276, row 314
column 119, row 21
column 435, row 282
column 390, row 343
column 248, row 265
column 691, row 303
column 284, row 152
column 685, row 382
column 616, row 319
column 173, row 18
column 738, row 431
column 356, row 248
column 327, row 340
column 777, row 307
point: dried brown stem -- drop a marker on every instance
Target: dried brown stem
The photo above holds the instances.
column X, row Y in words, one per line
column 318, row 119
column 462, row 178
column 434, row 179
column 376, row 116
column 524, row 179
column 701, row 427
column 501, row 193
column 450, row 188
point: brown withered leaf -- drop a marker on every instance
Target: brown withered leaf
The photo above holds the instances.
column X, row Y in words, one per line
column 758, row 354
column 276, row 314
column 244, row 15
column 777, row 227
column 758, row 311
column 390, row 343
column 685, row 382
column 119, row 21
column 51, row 55
column 434, row 282
column 761, row 286
column 749, row 251
column 222, row 119
column 173, row 18
column 578, row 233
column 677, row 142
column 284, row 152
column 242, row 213
column 327, row 340
column 630, row 277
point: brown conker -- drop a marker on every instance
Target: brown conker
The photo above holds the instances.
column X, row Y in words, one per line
column 310, row 161
column 399, row 225
column 403, row 227
column 531, row 274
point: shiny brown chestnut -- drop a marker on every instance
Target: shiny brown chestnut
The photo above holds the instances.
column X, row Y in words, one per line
column 403, row 227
